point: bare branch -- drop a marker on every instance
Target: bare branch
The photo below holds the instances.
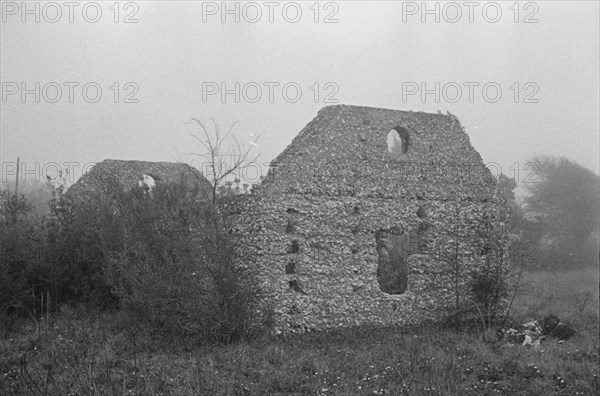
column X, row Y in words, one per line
column 223, row 151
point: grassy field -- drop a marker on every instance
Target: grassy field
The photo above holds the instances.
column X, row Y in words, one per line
column 88, row 353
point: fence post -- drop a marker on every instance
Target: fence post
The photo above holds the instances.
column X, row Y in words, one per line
column 17, row 179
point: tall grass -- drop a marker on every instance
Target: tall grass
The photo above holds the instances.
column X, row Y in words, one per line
column 83, row 351
column 90, row 353
column 571, row 295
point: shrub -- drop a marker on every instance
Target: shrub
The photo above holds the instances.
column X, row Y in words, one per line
column 48, row 260
column 18, row 239
column 75, row 249
column 163, row 255
column 489, row 292
column 173, row 265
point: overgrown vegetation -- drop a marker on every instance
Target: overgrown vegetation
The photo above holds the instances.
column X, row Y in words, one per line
column 19, row 237
column 163, row 264
column 91, row 353
column 223, row 156
column 162, row 257
column 174, row 264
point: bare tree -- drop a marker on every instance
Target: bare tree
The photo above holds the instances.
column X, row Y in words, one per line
column 223, row 152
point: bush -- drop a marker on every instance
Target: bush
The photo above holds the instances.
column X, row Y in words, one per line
column 74, row 249
column 46, row 260
column 173, row 264
column 163, row 255
column 489, row 291
column 18, row 240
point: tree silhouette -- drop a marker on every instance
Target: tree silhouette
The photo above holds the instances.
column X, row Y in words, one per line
column 564, row 206
column 223, row 153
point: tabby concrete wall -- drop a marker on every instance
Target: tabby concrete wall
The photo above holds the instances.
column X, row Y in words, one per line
column 104, row 176
column 338, row 222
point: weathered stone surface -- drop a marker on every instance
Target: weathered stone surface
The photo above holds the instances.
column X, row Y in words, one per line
column 342, row 233
column 553, row 327
column 104, row 175
column 336, row 186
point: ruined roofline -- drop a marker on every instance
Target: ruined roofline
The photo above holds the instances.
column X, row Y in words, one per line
column 180, row 166
column 140, row 162
column 130, row 172
column 333, row 112
column 343, row 108
column 348, row 132
column 166, row 169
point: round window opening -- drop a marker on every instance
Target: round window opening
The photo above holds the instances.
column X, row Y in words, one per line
column 397, row 142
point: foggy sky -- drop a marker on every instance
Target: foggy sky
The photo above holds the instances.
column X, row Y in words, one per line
column 368, row 56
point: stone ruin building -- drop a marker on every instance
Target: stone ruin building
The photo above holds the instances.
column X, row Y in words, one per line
column 146, row 174
column 369, row 216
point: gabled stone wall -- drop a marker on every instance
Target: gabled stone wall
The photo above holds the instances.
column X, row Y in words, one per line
column 343, row 232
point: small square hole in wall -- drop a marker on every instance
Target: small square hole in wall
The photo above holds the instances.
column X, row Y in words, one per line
column 294, row 310
column 290, row 227
column 290, row 267
column 295, row 286
column 294, row 247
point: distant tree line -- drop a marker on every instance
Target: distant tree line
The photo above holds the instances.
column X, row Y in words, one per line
column 556, row 224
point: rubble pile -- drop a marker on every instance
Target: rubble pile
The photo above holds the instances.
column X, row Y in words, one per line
column 534, row 332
